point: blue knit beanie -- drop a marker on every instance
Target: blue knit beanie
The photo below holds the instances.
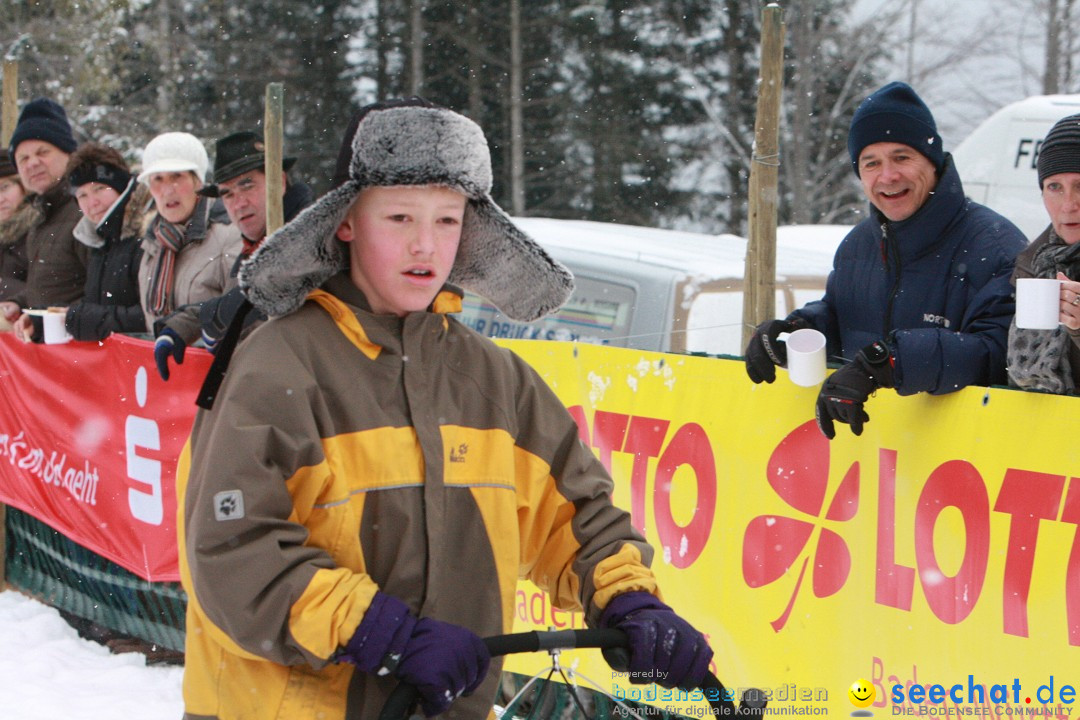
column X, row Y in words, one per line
column 895, row 113
column 42, row 119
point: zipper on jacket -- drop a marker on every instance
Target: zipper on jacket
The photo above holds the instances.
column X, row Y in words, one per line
column 888, row 247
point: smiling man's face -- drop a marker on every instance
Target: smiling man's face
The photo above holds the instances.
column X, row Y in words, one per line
column 896, row 178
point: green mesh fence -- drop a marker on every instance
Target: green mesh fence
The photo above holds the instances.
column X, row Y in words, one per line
column 46, row 564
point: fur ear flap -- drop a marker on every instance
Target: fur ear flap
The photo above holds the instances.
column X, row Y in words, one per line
column 501, row 263
column 300, row 256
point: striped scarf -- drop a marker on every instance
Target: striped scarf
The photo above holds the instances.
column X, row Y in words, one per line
column 171, row 238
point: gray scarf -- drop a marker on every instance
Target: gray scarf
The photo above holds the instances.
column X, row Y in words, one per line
column 1039, row 359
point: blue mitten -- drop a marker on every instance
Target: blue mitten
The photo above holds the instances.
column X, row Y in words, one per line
column 168, row 343
column 664, row 648
column 442, row 661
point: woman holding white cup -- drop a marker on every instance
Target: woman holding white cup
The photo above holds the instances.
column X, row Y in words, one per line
column 1041, row 357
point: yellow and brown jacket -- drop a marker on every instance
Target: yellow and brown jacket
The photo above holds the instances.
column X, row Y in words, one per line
column 350, row 452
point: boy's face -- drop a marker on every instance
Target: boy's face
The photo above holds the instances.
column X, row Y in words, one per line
column 402, row 244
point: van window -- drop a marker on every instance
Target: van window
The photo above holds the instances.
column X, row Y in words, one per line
column 597, row 312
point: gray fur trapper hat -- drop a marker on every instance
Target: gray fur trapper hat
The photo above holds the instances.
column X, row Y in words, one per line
column 411, row 143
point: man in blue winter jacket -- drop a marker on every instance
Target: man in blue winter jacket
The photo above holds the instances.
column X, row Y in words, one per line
column 919, row 297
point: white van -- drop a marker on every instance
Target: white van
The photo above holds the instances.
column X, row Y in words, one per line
column 661, row 290
column 997, row 161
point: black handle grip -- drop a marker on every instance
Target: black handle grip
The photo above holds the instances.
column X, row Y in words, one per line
column 404, row 695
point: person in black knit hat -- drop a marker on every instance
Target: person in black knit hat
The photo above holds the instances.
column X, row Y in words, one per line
column 919, row 297
column 40, row 147
column 1049, row 360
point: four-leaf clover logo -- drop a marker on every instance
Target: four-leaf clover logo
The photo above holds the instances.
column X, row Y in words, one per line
column 798, row 471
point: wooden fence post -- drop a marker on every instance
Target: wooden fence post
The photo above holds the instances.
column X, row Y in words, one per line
column 275, row 210
column 759, row 279
column 10, row 111
column 8, row 117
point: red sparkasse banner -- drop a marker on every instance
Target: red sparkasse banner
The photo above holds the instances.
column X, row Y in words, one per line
column 89, row 436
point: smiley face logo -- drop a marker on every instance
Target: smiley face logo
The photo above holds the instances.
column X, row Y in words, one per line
column 861, row 693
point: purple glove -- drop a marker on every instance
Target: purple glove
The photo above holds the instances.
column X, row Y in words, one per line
column 664, row 648
column 442, row 661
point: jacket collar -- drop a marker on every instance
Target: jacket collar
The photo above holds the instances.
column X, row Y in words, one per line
column 53, row 199
column 923, row 231
column 341, row 285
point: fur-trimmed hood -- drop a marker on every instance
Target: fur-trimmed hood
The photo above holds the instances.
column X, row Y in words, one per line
column 15, row 227
column 133, row 204
column 411, row 143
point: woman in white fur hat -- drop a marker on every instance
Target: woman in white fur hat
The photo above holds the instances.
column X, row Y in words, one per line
column 189, row 246
column 356, row 508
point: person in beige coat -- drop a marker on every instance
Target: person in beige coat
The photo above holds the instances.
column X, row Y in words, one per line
column 189, row 246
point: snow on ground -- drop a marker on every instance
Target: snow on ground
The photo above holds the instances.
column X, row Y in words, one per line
column 47, row 672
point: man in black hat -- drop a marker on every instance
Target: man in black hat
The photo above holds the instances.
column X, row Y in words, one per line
column 240, row 182
column 919, row 297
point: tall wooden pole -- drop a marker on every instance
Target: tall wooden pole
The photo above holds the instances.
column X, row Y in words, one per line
column 9, row 111
column 275, row 210
column 8, row 117
column 759, row 280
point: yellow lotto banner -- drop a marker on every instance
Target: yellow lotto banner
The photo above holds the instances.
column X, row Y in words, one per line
column 936, row 558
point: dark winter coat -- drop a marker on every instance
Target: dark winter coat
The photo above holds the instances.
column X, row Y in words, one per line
column 935, row 286
column 111, row 303
column 216, row 313
column 56, row 273
column 13, row 264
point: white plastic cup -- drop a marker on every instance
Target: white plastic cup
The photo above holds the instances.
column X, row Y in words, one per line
column 54, row 328
column 806, row 357
column 1038, row 303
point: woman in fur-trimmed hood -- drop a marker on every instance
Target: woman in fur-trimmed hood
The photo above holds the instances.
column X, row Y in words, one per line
column 113, row 206
column 375, row 476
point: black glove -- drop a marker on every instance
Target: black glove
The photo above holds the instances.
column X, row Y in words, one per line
column 844, row 392
column 765, row 352
column 168, row 343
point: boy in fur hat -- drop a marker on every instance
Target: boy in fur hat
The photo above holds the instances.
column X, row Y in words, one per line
column 356, row 509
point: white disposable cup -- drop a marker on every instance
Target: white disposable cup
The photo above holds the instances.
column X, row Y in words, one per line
column 806, row 357
column 1038, row 303
column 54, row 329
